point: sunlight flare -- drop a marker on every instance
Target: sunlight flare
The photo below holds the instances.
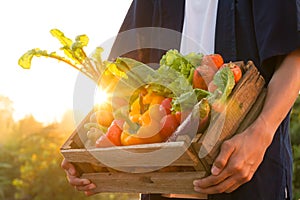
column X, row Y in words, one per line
column 101, row 97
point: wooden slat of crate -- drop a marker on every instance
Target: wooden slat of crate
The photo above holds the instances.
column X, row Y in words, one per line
column 226, row 124
column 123, row 155
column 153, row 182
column 164, row 181
column 254, row 112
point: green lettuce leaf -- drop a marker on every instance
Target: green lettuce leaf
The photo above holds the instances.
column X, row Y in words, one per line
column 224, row 80
column 186, row 100
column 184, row 64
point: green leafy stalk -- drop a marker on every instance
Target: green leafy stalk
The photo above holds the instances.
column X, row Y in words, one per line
column 96, row 58
column 26, row 59
column 74, row 50
column 75, row 55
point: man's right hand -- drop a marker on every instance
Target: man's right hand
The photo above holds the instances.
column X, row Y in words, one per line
column 73, row 177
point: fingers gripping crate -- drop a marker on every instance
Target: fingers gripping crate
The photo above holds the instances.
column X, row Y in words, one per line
column 137, row 169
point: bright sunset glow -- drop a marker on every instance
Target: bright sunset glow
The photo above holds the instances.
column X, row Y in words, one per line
column 46, row 90
column 100, row 97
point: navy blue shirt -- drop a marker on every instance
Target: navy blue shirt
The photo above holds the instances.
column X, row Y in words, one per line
column 261, row 31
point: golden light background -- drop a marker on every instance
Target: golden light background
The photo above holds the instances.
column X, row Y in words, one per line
column 46, row 90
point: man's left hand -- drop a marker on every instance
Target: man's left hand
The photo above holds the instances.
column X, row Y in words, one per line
column 236, row 163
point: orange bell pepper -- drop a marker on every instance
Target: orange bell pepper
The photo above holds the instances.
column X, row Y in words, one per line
column 140, row 138
column 148, row 131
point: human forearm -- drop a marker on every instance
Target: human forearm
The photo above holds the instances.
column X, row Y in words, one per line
column 283, row 90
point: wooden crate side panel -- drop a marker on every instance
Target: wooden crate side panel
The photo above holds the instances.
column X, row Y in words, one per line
column 155, row 182
column 79, row 156
column 254, row 112
column 250, row 117
column 127, row 159
column 240, row 102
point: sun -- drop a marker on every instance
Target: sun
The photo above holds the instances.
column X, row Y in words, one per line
column 101, row 97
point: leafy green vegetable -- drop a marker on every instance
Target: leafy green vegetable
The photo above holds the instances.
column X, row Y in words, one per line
column 204, row 108
column 168, row 82
column 187, row 99
column 176, row 70
column 25, row 60
column 93, row 66
column 224, row 80
column 194, row 58
column 74, row 50
column 174, row 79
column 185, row 65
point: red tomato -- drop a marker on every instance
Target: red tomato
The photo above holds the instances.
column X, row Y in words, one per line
column 167, row 105
column 178, row 117
column 214, row 61
column 114, row 132
column 203, row 124
column 198, row 80
column 181, row 116
column 203, row 75
column 237, row 72
column 169, row 125
column 217, row 60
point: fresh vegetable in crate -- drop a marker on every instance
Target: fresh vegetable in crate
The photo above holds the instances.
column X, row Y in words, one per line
column 168, row 95
column 146, row 105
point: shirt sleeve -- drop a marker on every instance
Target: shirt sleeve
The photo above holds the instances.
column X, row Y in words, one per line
column 148, row 13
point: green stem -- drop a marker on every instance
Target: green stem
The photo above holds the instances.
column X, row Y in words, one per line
column 72, row 65
column 90, row 65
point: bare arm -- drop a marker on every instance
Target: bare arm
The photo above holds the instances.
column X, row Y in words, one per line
column 237, row 161
column 283, row 90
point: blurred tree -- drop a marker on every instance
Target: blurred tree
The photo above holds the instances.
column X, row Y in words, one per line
column 6, row 118
column 295, row 138
column 8, row 149
column 28, row 126
column 67, row 123
column 7, row 173
column 295, row 125
column 40, row 173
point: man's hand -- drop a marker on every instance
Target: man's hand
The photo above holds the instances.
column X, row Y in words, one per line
column 78, row 183
column 236, row 163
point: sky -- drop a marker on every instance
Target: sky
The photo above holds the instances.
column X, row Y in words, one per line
column 46, row 90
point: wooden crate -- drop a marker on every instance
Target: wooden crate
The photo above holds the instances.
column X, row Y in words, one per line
column 136, row 168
